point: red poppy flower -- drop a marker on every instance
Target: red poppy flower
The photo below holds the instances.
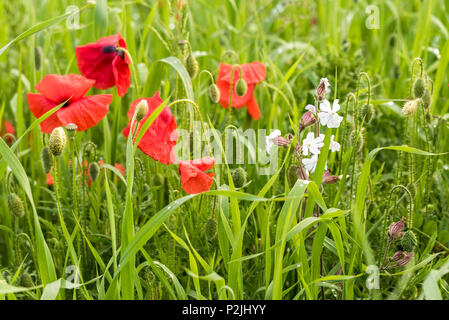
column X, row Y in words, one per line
column 105, row 63
column 252, row 73
column 85, row 112
column 160, row 138
column 193, row 178
column 7, row 129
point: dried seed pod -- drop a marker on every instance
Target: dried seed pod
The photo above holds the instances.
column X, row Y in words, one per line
column 57, row 141
column 15, row 205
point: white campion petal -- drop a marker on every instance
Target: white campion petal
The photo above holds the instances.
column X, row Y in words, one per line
column 325, row 106
column 269, row 139
column 334, row 145
column 335, row 106
column 310, row 163
column 311, row 108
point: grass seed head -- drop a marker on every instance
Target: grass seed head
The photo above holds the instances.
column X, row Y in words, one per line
column 410, row 107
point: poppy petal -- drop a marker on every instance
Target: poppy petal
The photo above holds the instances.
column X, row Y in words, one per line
column 96, row 65
column 193, row 179
column 86, row 112
column 39, row 105
column 252, row 73
column 122, row 74
column 253, row 109
column 59, row 88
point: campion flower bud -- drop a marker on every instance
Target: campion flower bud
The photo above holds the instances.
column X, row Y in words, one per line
column 15, row 205
column 241, row 87
column 419, row 87
column 192, row 66
column 307, row 120
column 302, row 173
column 322, row 89
column 407, row 256
column 38, row 56
column 46, row 158
column 57, row 141
column 141, row 109
column 94, row 171
column 158, row 180
column 214, row 93
column 239, row 177
column 329, row 179
column 409, row 241
column 397, row 256
column 210, row 229
column 26, row 281
column 367, row 113
column 281, row 142
column 396, row 228
column 410, row 107
column 71, row 129
column 426, row 99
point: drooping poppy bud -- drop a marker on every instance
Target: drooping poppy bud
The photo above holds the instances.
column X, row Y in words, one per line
column 396, row 228
column 214, row 93
column 192, row 66
column 158, row 180
column 409, row 241
column 241, row 87
column 367, row 112
column 418, row 88
column 426, row 99
column 15, row 205
column 239, row 177
column 57, row 141
column 94, row 171
column 47, row 159
column 141, row 109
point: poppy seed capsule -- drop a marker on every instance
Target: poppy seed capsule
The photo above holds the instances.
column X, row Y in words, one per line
column 239, row 177
column 210, row 229
column 15, row 205
column 214, row 93
column 418, row 88
column 409, row 241
column 241, row 87
column 57, row 141
column 192, row 66
column 46, row 159
column 71, row 129
column 94, row 171
column 141, row 109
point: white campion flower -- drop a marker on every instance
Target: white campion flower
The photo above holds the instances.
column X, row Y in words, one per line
column 312, row 144
column 269, row 140
column 311, row 108
column 328, row 115
column 310, row 163
column 334, row 145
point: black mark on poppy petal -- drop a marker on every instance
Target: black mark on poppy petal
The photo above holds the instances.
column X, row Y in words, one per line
column 109, row 49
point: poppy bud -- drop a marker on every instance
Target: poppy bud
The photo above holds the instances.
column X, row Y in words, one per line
column 192, row 66
column 367, row 113
column 410, row 107
column 214, row 93
column 306, row 121
column 409, row 241
column 241, row 87
column 329, row 179
column 407, row 256
column 426, row 99
column 26, row 281
column 46, row 159
column 183, row 46
column 396, row 228
column 94, row 171
column 360, row 139
column 38, row 56
column 419, row 87
column 239, row 177
column 57, row 141
column 210, row 229
column 15, row 205
column 141, row 109
column 71, row 129
column 158, row 180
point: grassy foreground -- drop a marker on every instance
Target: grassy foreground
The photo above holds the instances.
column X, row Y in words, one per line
column 130, row 230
